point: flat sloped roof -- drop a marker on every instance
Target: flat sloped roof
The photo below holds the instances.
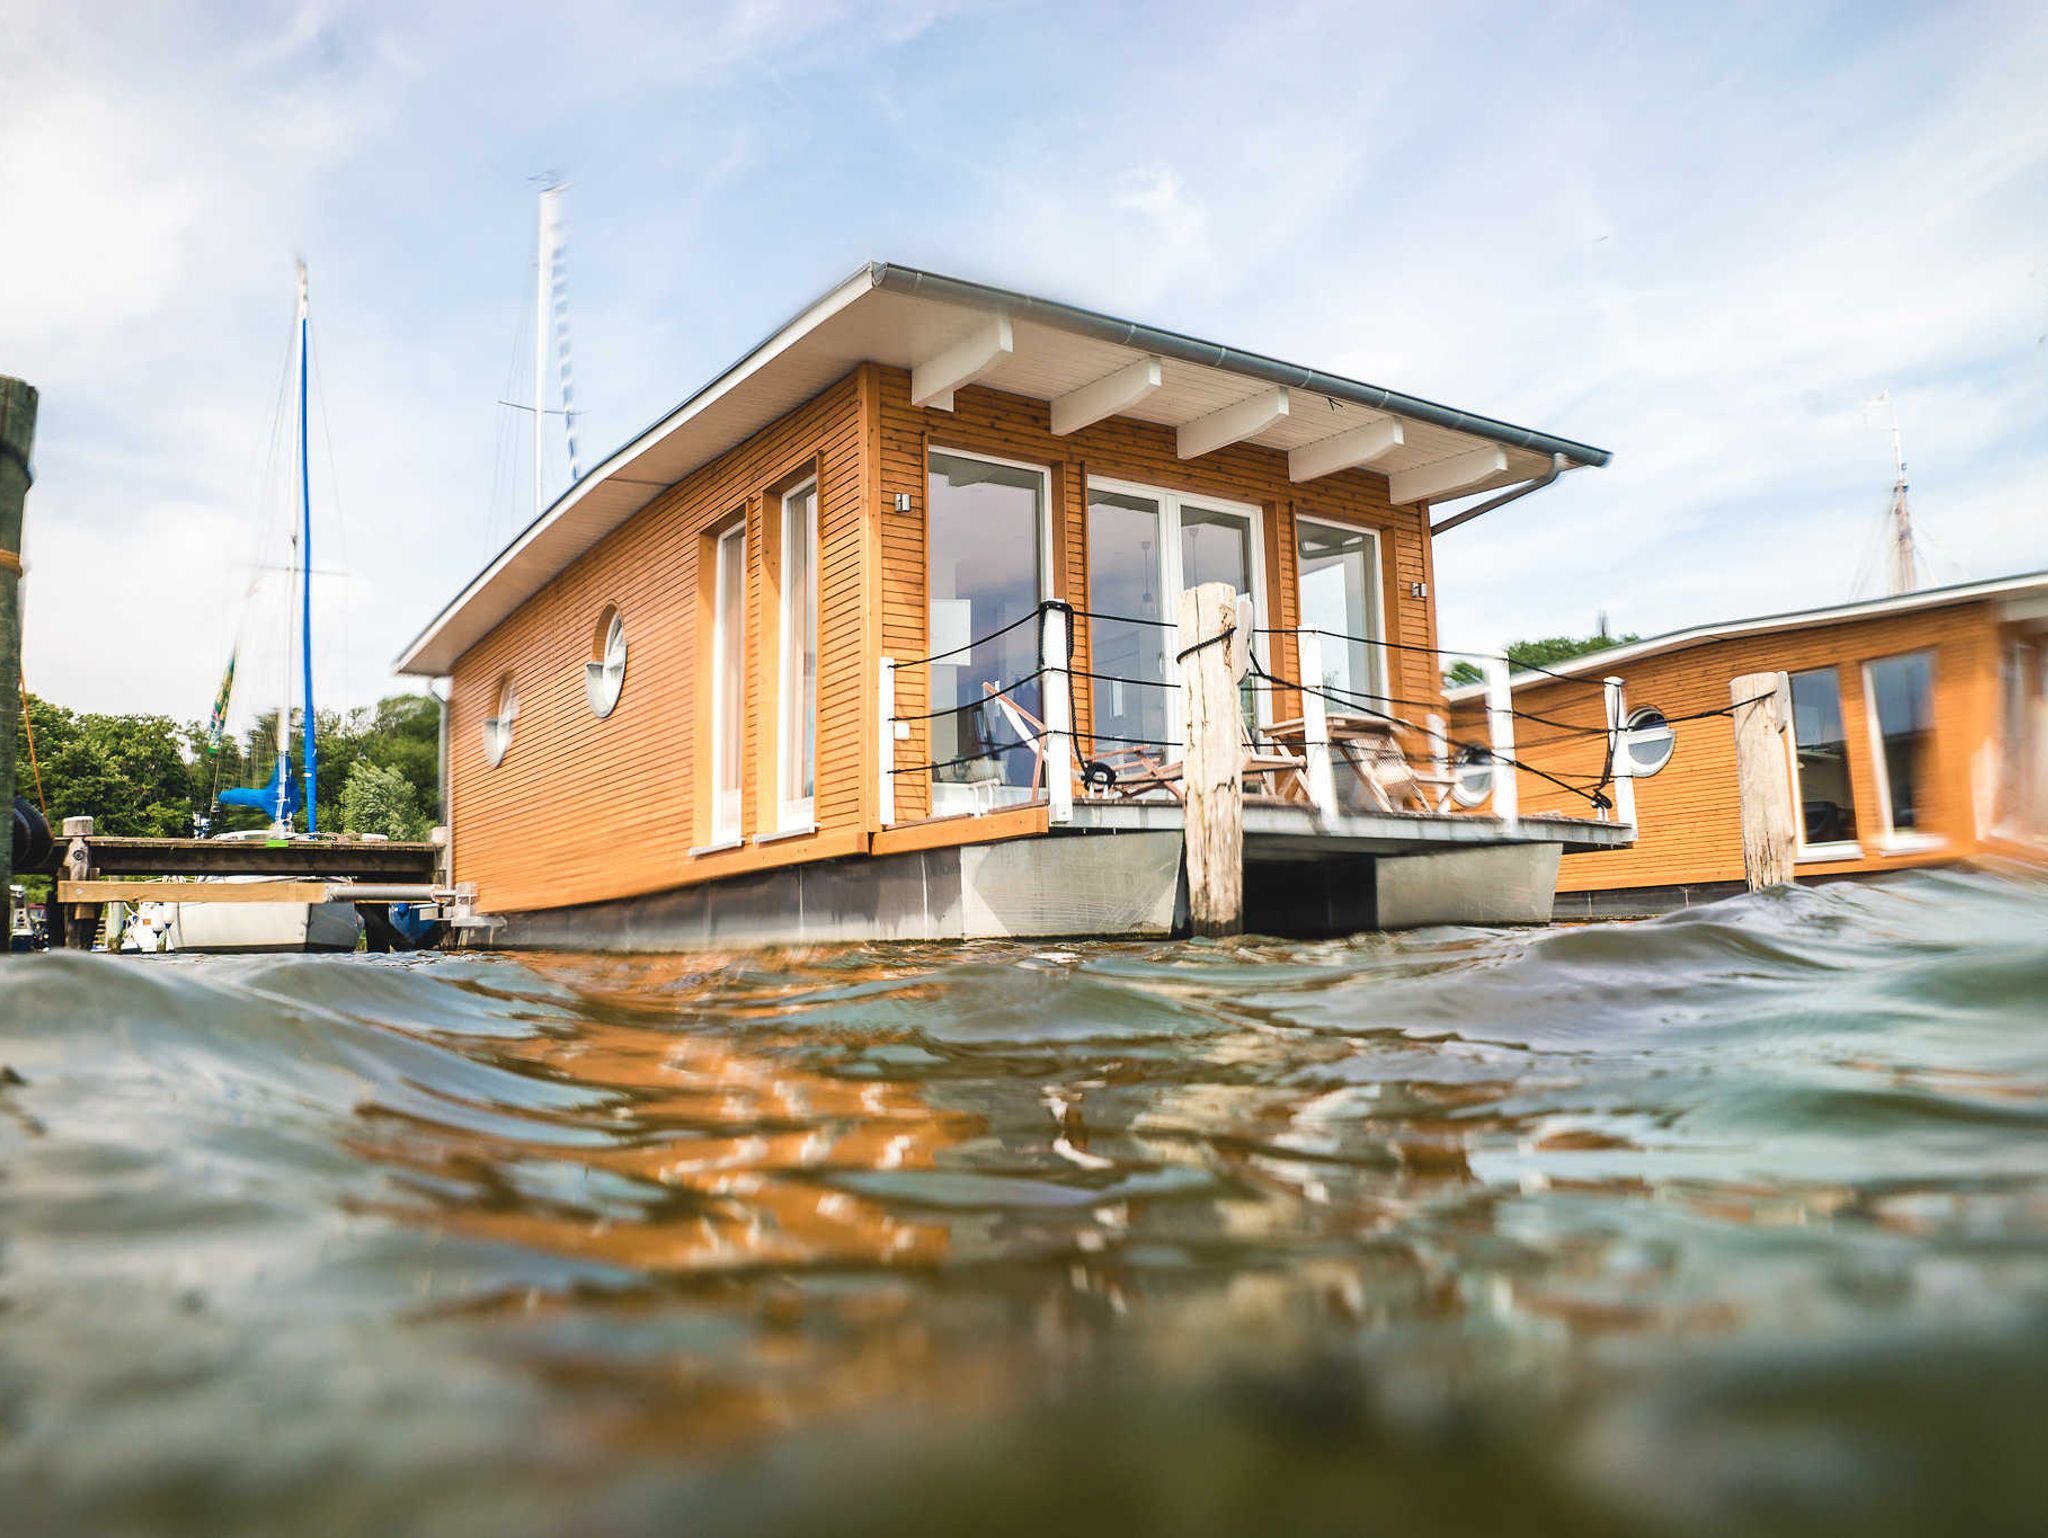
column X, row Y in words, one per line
column 904, row 317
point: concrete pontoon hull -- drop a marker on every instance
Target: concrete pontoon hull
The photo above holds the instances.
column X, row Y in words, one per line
column 1109, row 883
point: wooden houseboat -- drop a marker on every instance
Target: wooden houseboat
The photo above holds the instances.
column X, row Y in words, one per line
column 1916, row 733
column 873, row 637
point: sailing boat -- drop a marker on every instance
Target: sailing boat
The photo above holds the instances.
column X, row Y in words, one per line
column 278, row 926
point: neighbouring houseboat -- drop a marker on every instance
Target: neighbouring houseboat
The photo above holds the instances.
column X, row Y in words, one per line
column 873, row 637
column 1916, row 733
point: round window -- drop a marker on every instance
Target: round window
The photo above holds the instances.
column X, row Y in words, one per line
column 1472, row 777
column 1650, row 742
column 604, row 675
column 498, row 727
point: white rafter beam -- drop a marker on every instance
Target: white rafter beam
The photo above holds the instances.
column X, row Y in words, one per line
column 1105, row 397
column 1443, row 478
column 1233, row 424
column 1345, row 451
column 933, row 381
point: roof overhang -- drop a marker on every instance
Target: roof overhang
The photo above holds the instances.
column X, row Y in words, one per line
column 2019, row 597
column 950, row 333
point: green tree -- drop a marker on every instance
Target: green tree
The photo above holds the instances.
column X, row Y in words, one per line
column 379, row 800
column 129, row 773
column 1546, row 653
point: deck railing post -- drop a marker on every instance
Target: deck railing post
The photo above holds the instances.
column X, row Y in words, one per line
column 1212, row 759
column 1315, row 723
column 1500, row 738
column 885, row 741
column 1619, row 765
column 1058, row 695
column 1763, row 777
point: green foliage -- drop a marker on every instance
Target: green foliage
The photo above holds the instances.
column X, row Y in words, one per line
column 1546, row 653
column 375, row 799
column 147, row 775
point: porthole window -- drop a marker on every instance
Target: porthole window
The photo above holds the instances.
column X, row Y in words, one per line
column 604, row 675
column 1650, row 741
column 498, row 727
column 1472, row 777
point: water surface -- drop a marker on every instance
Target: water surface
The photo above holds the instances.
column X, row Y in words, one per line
column 1736, row 1220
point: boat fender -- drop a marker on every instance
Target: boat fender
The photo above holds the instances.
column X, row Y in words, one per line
column 32, row 841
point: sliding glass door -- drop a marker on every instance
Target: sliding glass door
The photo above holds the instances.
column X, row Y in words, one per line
column 986, row 540
column 1145, row 547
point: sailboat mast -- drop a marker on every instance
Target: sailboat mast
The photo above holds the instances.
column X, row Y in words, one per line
column 312, row 767
column 1904, row 561
column 543, row 273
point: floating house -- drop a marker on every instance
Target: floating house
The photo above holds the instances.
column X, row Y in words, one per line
column 1917, row 734
column 874, row 637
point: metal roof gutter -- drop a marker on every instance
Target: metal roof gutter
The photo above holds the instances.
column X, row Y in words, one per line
column 1187, row 349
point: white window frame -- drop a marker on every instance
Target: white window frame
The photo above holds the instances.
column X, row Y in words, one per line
column 727, row 803
column 1891, row 840
column 796, row 813
column 1045, row 575
column 1376, row 655
column 1836, row 849
column 1171, row 583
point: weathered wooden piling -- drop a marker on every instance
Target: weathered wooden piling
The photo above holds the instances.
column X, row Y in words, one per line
column 17, row 435
column 1763, row 776
column 1212, row 759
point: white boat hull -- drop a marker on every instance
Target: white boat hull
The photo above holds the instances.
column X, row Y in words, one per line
column 237, row 926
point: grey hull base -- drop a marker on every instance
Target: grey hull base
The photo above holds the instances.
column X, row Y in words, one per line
column 1123, row 885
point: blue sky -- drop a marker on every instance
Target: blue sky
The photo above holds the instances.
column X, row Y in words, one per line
column 1701, row 237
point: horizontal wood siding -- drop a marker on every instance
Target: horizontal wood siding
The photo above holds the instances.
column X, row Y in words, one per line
column 584, row 809
column 1688, row 816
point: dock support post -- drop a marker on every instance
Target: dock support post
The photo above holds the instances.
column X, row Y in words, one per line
column 1500, row 737
column 1057, row 691
column 885, row 741
column 1315, row 723
column 1763, row 776
column 17, row 435
column 81, row 920
column 1619, row 765
column 1212, row 759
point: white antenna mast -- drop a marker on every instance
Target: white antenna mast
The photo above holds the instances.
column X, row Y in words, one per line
column 544, row 269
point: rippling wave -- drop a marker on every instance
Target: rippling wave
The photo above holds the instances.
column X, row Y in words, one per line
column 1733, row 1220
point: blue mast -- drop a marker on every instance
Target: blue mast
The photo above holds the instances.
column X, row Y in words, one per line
column 306, row 575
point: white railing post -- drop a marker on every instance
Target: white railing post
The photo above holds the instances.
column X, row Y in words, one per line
column 1500, row 738
column 885, row 739
column 1439, row 756
column 1620, row 766
column 1315, row 723
column 1057, row 692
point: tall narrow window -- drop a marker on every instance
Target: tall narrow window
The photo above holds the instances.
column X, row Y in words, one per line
column 1820, row 764
column 1901, row 693
column 799, row 718
column 728, row 682
column 985, row 544
column 1340, row 596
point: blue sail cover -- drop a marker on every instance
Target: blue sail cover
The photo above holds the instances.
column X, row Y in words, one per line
column 264, row 799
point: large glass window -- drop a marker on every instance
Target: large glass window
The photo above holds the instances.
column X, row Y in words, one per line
column 799, row 717
column 728, row 682
column 1144, row 548
column 1820, row 757
column 1901, row 691
column 985, row 576
column 1340, row 596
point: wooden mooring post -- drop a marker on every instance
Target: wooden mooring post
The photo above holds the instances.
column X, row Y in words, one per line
column 17, row 435
column 1212, row 758
column 1763, row 776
